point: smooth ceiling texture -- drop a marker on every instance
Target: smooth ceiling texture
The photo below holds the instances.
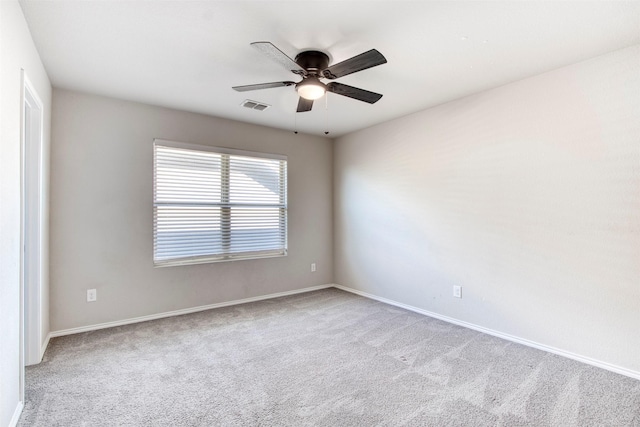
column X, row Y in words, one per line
column 188, row 54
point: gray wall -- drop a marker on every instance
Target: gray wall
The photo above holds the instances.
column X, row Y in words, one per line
column 102, row 212
column 527, row 195
column 17, row 52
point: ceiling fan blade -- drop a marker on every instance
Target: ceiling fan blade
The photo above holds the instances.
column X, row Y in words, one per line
column 353, row 92
column 304, row 105
column 360, row 62
column 246, row 88
column 279, row 56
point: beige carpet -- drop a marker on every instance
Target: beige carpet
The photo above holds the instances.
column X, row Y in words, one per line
column 326, row 358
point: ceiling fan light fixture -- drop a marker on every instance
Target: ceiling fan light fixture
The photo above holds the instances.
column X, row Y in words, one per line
column 311, row 88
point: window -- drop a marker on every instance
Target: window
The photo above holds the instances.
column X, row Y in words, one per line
column 216, row 204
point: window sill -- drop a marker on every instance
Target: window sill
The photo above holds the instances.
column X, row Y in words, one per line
column 193, row 261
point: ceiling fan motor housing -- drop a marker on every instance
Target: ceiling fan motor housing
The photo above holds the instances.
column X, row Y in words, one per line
column 313, row 61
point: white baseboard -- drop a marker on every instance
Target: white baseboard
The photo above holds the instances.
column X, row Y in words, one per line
column 560, row 352
column 181, row 312
column 16, row 415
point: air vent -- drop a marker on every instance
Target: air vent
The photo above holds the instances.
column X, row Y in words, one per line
column 254, row 105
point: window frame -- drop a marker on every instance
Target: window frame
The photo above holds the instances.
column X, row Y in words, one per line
column 225, row 217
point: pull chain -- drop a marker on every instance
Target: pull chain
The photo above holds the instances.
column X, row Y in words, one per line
column 295, row 122
column 326, row 113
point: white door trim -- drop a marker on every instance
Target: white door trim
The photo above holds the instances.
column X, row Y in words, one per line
column 31, row 227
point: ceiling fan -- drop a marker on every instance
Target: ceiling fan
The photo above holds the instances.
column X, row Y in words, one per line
column 313, row 65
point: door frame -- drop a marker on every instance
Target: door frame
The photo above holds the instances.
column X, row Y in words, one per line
column 31, row 226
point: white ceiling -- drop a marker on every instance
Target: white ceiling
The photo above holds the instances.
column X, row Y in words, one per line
column 188, row 54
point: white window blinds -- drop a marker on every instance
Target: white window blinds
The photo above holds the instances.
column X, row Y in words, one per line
column 213, row 204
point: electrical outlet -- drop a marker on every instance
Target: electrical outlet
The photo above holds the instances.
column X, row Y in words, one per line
column 313, row 267
column 457, row 291
column 92, row 295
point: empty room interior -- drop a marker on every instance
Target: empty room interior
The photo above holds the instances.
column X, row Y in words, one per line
column 341, row 213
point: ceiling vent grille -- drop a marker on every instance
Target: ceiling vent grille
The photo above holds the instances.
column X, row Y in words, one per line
column 254, row 105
